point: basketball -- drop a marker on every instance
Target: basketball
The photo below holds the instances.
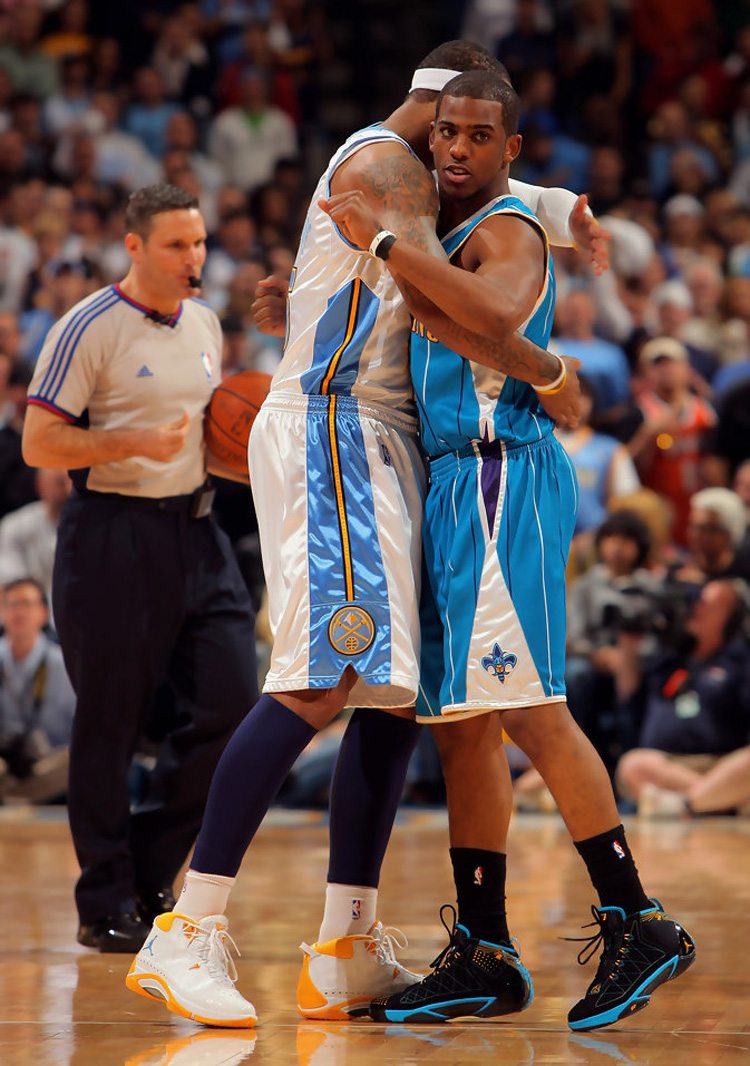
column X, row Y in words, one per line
column 230, row 415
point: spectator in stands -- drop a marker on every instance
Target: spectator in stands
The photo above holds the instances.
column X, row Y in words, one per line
column 29, row 68
column 148, row 115
column 28, row 534
column 248, row 140
column 182, row 62
column 668, row 446
column 694, row 745
column 604, row 468
column 36, row 700
column 618, row 593
column 674, row 308
column 716, row 528
column 604, row 364
column 16, row 479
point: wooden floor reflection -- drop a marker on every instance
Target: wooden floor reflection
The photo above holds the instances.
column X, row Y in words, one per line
column 62, row 1005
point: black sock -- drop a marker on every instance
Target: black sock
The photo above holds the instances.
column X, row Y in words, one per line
column 365, row 793
column 248, row 776
column 480, row 888
column 612, row 870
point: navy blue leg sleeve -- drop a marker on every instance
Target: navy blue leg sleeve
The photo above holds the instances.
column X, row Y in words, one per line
column 365, row 793
column 252, row 769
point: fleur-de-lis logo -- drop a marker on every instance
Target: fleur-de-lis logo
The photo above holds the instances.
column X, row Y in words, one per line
column 499, row 663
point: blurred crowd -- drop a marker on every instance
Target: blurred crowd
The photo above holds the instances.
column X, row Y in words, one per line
column 643, row 104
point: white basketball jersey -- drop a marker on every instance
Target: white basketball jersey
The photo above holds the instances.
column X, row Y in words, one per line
column 347, row 325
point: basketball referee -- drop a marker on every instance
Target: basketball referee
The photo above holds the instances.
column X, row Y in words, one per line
column 145, row 588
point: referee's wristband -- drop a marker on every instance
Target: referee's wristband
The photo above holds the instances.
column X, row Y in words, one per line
column 382, row 243
column 557, row 385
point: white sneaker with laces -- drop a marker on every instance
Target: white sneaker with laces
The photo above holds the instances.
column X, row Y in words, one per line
column 340, row 978
column 186, row 965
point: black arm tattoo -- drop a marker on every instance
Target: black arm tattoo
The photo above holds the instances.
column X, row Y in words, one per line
column 402, row 192
column 515, row 355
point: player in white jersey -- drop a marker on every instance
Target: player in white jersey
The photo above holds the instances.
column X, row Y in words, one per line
column 338, row 482
column 499, row 517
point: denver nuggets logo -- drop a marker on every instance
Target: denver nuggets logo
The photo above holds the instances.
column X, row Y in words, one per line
column 351, row 630
column 499, row 663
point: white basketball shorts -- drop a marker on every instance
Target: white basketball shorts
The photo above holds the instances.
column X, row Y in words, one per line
column 339, row 490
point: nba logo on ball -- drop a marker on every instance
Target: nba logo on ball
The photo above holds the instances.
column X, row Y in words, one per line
column 208, row 366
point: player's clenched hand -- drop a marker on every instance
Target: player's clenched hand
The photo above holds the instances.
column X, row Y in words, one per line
column 566, row 405
column 269, row 306
column 589, row 235
column 164, row 442
column 353, row 216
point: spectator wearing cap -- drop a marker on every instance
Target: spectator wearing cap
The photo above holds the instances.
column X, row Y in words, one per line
column 716, row 528
column 674, row 309
column 684, row 227
column 667, row 448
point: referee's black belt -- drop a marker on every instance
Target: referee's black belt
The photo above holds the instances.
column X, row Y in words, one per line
column 186, row 504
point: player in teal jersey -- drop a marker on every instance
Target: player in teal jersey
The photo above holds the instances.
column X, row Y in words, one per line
column 499, row 517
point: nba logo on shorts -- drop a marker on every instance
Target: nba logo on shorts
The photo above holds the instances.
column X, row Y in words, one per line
column 356, row 908
column 618, row 849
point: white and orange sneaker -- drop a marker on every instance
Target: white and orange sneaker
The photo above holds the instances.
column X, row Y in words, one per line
column 186, row 965
column 339, row 978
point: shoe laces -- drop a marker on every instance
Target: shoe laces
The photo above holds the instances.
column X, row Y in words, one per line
column 212, row 948
column 614, row 948
column 387, row 939
column 456, row 939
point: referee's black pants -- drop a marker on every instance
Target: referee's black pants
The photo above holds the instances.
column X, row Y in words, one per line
column 142, row 592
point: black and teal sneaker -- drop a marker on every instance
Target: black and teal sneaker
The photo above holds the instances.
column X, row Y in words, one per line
column 639, row 952
column 470, row 978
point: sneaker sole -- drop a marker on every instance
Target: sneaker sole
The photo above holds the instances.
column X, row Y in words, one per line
column 640, row 999
column 135, row 982
column 336, row 1012
column 484, row 1008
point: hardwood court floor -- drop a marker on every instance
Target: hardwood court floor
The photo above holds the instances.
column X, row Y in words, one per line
column 63, row 1005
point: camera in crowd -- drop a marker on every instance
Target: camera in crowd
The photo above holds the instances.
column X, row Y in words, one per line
column 659, row 612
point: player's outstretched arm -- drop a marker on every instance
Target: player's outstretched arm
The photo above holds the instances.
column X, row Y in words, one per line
column 567, row 220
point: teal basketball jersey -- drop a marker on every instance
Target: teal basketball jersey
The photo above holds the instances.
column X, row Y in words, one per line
column 460, row 401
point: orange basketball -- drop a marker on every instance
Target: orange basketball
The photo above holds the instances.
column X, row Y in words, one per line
column 230, row 415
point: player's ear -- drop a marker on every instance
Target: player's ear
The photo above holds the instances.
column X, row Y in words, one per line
column 512, row 148
column 431, row 139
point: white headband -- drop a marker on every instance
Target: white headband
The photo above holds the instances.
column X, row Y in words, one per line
column 433, row 78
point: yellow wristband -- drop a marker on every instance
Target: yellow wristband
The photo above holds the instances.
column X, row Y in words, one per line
column 557, row 385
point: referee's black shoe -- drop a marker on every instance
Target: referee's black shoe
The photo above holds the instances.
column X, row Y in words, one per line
column 124, row 933
column 470, row 978
column 150, row 903
column 639, row 952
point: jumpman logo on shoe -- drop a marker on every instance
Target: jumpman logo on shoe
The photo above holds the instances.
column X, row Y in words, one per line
column 149, row 945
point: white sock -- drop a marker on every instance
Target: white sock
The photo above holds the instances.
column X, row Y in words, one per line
column 349, row 911
column 204, row 894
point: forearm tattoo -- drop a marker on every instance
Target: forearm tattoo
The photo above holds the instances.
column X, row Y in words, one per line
column 403, row 187
column 515, row 355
